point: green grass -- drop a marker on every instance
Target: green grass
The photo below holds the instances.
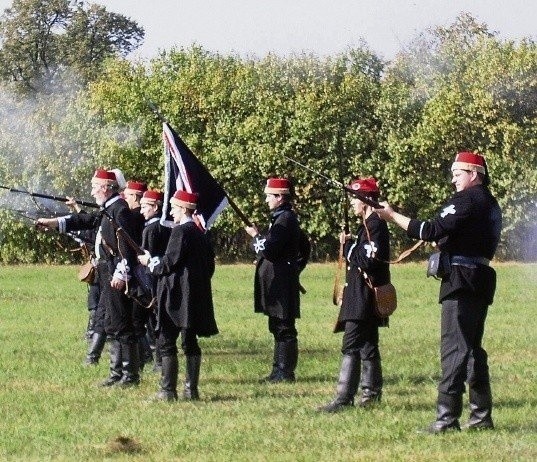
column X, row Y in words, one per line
column 52, row 410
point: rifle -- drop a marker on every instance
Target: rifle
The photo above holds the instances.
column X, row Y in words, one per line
column 337, row 293
column 352, row 192
column 47, row 196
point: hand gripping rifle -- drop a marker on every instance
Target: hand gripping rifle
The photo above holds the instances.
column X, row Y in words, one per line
column 339, row 184
column 47, row 196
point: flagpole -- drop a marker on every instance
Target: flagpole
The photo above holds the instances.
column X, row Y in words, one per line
column 238, row 211
column 156, row 111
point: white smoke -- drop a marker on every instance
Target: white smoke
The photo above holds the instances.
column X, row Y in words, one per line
column 48, row 144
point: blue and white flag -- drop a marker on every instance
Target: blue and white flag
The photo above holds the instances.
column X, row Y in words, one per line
column 183, row 171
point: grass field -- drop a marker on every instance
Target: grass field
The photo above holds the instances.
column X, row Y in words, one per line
column 51, row 408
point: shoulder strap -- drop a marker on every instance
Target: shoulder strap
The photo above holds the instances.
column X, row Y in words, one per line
column 404, row 254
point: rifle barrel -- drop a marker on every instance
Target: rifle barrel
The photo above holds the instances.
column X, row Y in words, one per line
column 48, row 196
column 354, row 193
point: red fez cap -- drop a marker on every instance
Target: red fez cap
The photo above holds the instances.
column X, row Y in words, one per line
column 135, row 187
column 365, row 185
column 102, row 176
column 184, row 199
column 151, row 197
column 278, row 186
column 469, row 161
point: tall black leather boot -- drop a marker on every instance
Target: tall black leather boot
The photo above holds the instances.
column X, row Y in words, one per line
column 347, row 386
column 480, row 408
column 115, row 365
column 371, row 382
column 274, row 371
column 448, row 411
column 287, row 358
column 168, row 379
column 193, row 364
column 95, row 348
column 130, row 357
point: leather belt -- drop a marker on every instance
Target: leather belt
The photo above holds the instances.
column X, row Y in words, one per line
column 469, row 262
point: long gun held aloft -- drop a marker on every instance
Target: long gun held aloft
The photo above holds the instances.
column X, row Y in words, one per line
column 47, row 196
column 354, row 193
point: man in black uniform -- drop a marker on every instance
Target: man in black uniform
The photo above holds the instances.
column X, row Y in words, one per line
column 368, row 256
column 154, row 240
column 281, row 255
column 184, row 297
column 114, row 262
column 133, row 193
column 467, row 230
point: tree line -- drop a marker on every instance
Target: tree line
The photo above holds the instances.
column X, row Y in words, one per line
column 352, row 114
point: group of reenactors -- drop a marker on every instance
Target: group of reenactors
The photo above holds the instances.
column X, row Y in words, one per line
column 177, row 265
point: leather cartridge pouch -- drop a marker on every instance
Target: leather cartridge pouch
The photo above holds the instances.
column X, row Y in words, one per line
column 385, row 300
column 86, row 273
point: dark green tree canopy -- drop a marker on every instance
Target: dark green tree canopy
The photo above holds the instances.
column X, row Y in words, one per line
column 41, row 38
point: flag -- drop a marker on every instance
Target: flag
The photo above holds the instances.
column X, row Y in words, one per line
column 182, row 170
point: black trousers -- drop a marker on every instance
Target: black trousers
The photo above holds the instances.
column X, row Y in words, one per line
column 169, row 333
column 118, row 319
column 100, row 313
column 283, row 330
column 140, row 317
column 361, row 338
column 461, row 355
column 94, row 293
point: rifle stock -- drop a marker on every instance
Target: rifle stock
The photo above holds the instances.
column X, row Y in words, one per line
column 337, row 293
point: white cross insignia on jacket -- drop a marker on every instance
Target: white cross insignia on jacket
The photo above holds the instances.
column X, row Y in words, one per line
column 449, row 210
column 371, row 249
column 259, row 244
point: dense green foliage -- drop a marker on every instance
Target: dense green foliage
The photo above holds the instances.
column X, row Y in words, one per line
column 461, row 89
column 455, row 88
column 52, row 409
column 42, row 38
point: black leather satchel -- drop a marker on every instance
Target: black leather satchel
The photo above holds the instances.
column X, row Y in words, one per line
column 438, row 265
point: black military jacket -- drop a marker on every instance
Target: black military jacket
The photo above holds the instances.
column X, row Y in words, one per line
column 120, row 256
column 369, row 256
column 184, row 280
column 281, row 255
column 468, row 225
column 155, row 237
